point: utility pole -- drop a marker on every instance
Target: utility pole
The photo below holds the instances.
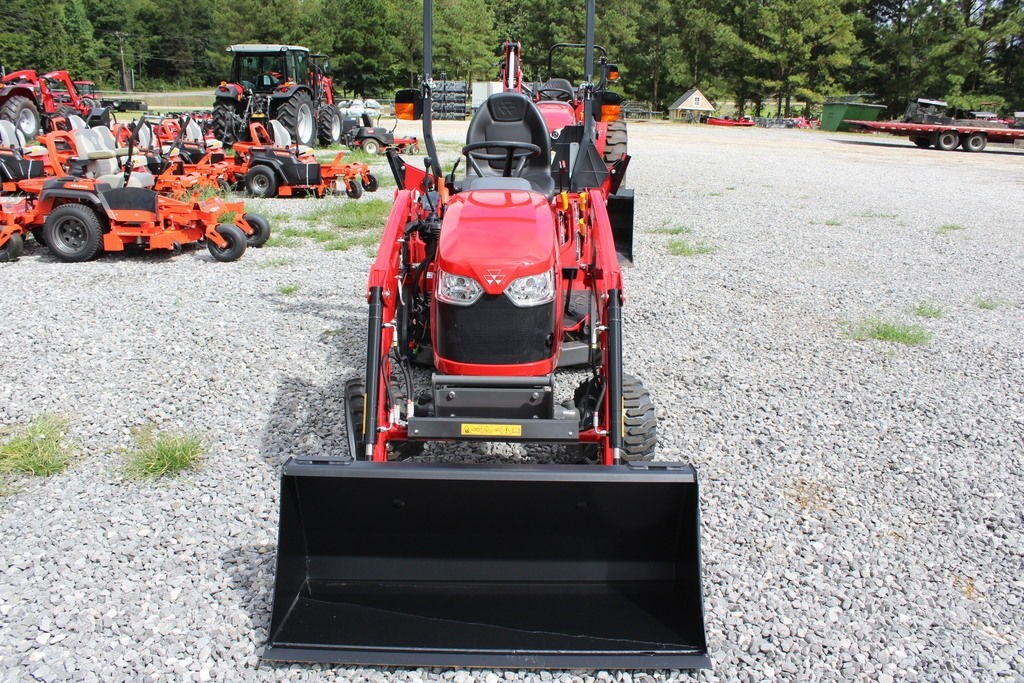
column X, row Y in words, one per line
column 125, row 83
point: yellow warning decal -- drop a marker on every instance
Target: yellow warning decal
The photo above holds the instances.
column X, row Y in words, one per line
column 471, row 429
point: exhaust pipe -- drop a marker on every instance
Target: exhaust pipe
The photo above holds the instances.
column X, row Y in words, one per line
column 416, row 564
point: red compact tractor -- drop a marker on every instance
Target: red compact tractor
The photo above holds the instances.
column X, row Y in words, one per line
column 29, row 101
column 492, row 283
column 282, row 82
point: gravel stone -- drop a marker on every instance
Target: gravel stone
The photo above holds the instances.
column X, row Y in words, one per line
column 861, row 505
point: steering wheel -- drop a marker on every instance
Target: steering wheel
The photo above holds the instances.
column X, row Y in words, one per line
column 557, row 94
column 514, row 151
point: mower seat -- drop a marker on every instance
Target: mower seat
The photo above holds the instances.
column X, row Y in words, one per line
column 510, row 117
column 10, row 136
column 282, row 138
column 77, row 122
column 559, row 89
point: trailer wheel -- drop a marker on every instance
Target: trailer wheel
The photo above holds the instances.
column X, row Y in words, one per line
column 260, row 181
column 235, row 239
column 73, row 233
column 354, row 190
column 371, row 146
column 22, row 112
column 975, row 142
column 370, row 183
column 12, row 248
column 922, row 141
column 947, row 140
column 260, row 230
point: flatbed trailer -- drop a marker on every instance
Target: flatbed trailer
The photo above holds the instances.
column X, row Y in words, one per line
column 945, row 136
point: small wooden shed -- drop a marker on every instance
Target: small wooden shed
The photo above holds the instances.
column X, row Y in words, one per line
column 690, row 106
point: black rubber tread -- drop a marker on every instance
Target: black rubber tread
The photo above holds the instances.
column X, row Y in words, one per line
column 370, row 183
column 260, row 230
column 288, row 114
column 236, row 240
column 12, row 248
column 947, row 140
column 224, row 122
column 617, row 142
column 640, row 436
column 355, row 406
column 11, row 110
column 354, row 190
column 372, row 146
column 922, row 141
column 326, row 126
column 254, row 178
column 973, row 142
column 92, row 242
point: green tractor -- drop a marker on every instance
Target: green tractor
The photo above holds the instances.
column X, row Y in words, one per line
column 282, row 82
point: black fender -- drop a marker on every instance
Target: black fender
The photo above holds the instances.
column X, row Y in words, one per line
column 229, row 91
column 290, row 92
column 19, row 89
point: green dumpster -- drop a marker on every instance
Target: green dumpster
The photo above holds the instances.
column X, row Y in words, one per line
column 834, row 113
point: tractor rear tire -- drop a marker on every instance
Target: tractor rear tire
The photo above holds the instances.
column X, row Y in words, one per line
column 329, row 125
column 224, row 123
column 922, row 141
column 73, row 233
column 297, row 115
column 236, row 243
column 975, row 142
column 370, row 183
column 22, row 112
column 371, row 146
column 12, row 248
column 616, row 143
column 260, row 230
column 947, row 140
column 261, row 181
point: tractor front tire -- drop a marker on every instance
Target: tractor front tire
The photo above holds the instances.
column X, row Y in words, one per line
column 329, row 125
column 236, row 242
column 12, row 248
column 296, row 114
column 371, row 146
column 224, row 128
column 640, row 423
column 260, row 230
column 22, row 112
column 73, row 233
column 261, row 181
column 616, row 143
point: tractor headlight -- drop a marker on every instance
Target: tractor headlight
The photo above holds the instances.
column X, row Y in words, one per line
column 460, row 290
column 532, row 290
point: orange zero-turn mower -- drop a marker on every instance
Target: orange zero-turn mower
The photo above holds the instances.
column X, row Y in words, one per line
column 275, row 167
column 15, row 216
column 494, row 281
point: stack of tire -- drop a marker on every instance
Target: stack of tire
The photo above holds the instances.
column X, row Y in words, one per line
column 451, row 100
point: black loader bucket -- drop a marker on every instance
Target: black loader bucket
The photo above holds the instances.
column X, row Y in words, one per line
column 500, row 566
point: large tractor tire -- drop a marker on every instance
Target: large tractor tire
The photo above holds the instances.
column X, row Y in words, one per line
column 22, row 112
column 617, row 142
column 225, row 123
column 329, row 125
column 298, row 117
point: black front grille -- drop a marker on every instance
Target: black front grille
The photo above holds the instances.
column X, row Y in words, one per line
column 494, row 331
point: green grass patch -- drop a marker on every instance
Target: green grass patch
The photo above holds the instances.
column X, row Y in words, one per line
column 898, row 333
column 948, row 227
column 286, row 241
column 715, row 194
column 987, row 304
column 688, row 248
column 277, row 262
column 871, row 214
column 289, row 289
column 350, row 216
column 927, row 310
column 833, row 223
column 38, row 449
column 346, row 243
column 158, row 454
column 674, row 230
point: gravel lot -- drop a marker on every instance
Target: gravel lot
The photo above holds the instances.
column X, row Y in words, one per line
column 861, row 500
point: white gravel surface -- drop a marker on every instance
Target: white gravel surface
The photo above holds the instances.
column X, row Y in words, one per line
column 861, row 500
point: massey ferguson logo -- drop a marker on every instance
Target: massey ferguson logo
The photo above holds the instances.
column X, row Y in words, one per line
column 494, row 277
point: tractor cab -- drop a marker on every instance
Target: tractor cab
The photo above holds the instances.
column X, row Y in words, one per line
column 262, row 68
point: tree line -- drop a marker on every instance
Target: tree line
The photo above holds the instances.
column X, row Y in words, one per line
column 768, row 56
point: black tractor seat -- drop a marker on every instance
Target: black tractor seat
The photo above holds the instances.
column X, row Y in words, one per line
column 509, row 117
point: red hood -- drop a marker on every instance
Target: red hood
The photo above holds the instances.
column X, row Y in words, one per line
column 496, row 236
column 556, row 114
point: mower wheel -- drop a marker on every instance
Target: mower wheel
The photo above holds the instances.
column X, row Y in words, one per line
column 73, row 233
column 22, row 112
column 37, row 235
column 640, row 423
column 260, row 181
column 371, row 146
column 616, row 143
column 370, row 183
column 298, row 117
column 12, row 248
column 354, row 190
column 236, row 242
column 329, row 125
column 260, row 230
